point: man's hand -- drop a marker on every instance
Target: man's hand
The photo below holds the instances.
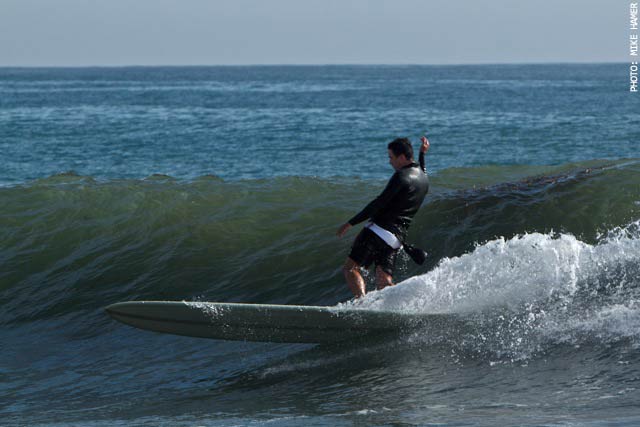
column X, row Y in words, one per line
column 425, row 144
column 343, row 229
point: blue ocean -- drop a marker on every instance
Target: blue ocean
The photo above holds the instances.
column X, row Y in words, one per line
column 228, row 183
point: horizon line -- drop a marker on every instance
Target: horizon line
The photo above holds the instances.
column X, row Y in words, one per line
column 319, row 64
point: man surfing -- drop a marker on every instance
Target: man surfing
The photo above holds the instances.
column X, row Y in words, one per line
column 390, row 216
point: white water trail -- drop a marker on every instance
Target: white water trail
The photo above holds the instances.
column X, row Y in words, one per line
column 531, row 288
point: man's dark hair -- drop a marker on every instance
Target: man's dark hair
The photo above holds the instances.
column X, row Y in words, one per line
column 401, row 146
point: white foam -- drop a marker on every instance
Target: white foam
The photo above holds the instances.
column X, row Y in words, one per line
column 542, row 285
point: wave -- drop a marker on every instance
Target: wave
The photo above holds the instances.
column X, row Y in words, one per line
column 517, row 295
column 69, row 245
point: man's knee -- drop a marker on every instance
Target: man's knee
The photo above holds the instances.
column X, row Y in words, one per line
column 350, row 266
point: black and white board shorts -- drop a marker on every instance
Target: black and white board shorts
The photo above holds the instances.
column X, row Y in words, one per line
column 369, row 248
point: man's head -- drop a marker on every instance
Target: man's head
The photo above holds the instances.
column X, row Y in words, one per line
column 400, row 153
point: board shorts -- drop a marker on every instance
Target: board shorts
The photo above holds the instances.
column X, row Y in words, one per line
column 369, row 248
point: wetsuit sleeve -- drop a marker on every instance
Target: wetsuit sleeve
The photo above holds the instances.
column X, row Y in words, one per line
column 421, row 160
column 379, row 202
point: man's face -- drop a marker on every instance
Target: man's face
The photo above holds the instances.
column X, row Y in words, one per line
column 396, row 161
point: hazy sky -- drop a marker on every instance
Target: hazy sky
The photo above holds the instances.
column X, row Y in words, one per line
column 210, row 32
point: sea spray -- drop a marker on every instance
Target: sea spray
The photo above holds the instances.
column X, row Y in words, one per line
column 522, row 295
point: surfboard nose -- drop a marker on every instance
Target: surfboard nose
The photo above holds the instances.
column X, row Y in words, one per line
column 113, row 308
column 122, row 308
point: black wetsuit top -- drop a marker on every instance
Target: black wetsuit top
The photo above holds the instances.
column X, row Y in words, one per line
column 396, row 206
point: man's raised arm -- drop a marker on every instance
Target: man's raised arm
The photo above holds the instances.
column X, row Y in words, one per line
column 423, row 150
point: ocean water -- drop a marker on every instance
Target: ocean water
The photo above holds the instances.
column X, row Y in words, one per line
column 228, row 183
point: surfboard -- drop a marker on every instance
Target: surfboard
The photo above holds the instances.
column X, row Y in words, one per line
column 264, row 322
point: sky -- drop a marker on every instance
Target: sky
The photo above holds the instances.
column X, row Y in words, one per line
column 246, row 32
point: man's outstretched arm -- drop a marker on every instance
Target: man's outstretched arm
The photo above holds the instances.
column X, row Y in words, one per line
column 393, row 186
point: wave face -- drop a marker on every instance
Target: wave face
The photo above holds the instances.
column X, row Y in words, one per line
column 70, row 244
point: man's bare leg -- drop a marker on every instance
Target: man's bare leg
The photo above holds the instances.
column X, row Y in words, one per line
column 351, row 270
column 383, row 279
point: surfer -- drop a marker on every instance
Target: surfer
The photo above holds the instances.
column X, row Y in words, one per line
column 390, row 215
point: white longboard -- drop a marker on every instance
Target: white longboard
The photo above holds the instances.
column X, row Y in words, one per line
column 264, row 322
